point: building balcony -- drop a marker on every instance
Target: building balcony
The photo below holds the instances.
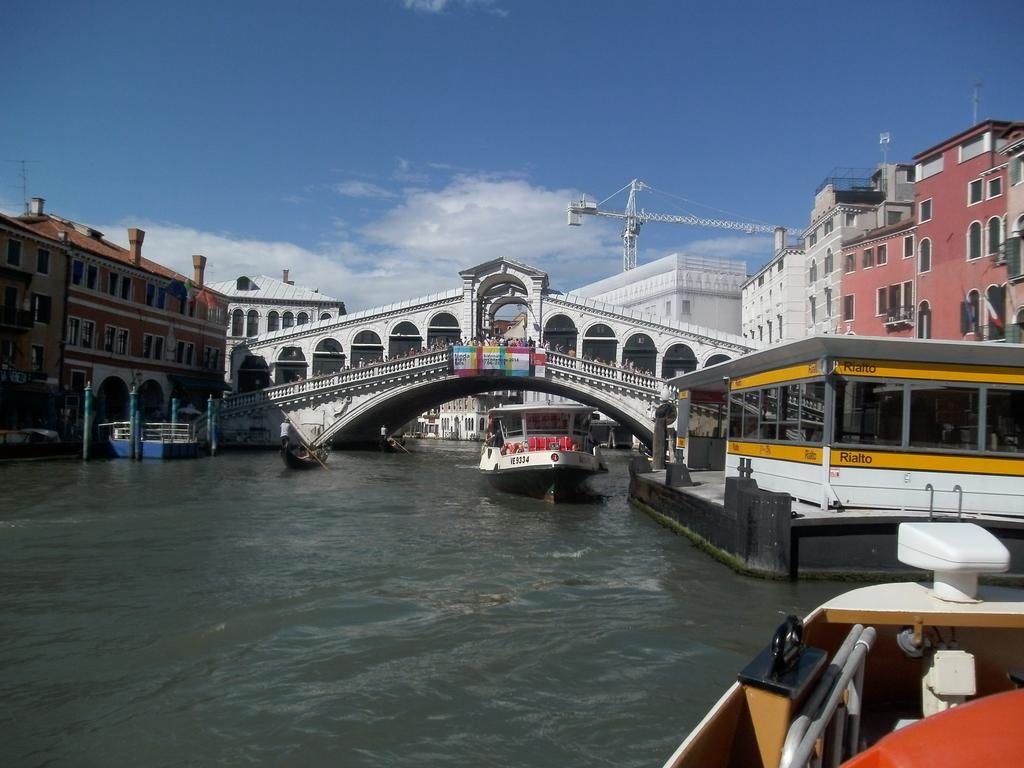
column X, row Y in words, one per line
column 896, row 317
column 20, row 320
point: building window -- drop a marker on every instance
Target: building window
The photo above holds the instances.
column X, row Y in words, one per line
column 43, row 262
column 1017, row 170
column 974, row 241
column 40, row 308
column 883, row 255
column 150, row 294
column 211, row 358
column 995, row 312
column 684, row 307
column 779, row 268
column 158, row 347
column 828, row 302
column 850, row 219
column 237, row 319
column 851, row 262
column 827, row 227
column 868, row 258
column 868, row 413
column 972, row 147
column 848, row 307
column 78, row 380
column 288, row 320
column 813, row 239
column 828, row 262
column 302, row 319
column 252, row 323
column 813, row 273
column 974, row 192
column 881, row 301
column 327, row 315
column 814, row 313
column 121, row 342
column 926, row 210
column 147, row 345
column 995, row 234
column 77, row 272
column 924, row 321
column 126, row 288
column 995, row 187
column 273, row 321
column 112, row 283
column 925, row 260
column 91, row 277
column 108, row 338
column 908, row 246
column 6, row 352
column 37, row 357
column 943, row 416
column 969, row 314
column 14, row 253
column 88, row 333
column 74, row 331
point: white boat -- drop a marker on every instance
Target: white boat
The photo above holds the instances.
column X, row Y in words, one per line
column 543, row 451
column 898, row 674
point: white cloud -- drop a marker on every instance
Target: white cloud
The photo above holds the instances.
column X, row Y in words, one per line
column 362, row 189
column 439, row 6
column 754, row 249
column 416, row 248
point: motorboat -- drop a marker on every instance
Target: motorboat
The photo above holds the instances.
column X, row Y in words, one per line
column 900, row 674
column 34, row 443
column 543, row 451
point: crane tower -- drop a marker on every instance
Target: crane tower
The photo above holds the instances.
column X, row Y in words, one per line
column 632, row 220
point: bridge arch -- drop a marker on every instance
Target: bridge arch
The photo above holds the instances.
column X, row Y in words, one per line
column 560, row 332
column 600, row 343
column 253, row 374
column 404, row 338
column 677, row 360
column 112, row 395
column 443, row 329
column 291, row 365
column 716, row 359
column 639, row 350
column 328, row 357
column 366, row 348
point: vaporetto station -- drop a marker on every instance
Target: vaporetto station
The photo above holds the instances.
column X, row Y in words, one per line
column 341, row 379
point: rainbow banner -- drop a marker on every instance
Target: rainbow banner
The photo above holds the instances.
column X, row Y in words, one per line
column 481, row 361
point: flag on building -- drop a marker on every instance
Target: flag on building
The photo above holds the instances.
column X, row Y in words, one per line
column 994, row 318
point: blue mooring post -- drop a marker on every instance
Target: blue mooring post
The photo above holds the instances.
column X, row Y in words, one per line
column 211, row 424
column 87, row 423
column 174, row 410
column 133, row 422
column 140, row 428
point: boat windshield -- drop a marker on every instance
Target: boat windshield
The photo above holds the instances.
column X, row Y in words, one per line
column 547, row 423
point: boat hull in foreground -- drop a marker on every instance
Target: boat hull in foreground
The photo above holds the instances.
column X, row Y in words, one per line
column 553, row 476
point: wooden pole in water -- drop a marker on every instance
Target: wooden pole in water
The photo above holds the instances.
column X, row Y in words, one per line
column 87, row 423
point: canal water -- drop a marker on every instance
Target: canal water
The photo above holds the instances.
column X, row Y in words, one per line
column 392, row 610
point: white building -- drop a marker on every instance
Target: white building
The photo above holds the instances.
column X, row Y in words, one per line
column 775, row 298
column 702, row 290
column 260, row 304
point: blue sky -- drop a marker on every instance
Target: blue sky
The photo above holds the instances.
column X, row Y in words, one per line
column 377, row 147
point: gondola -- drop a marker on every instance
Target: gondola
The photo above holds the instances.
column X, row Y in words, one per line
column 297, row 457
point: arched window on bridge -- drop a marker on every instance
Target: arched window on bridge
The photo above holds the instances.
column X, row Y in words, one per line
column 599, row 343
column 679, row 359
column 328, row 357
column 404, row 338
column 291, row 365
column 639, row 350
column 237, row 322
column 716, row 359
column 325, row 315
column 443, row 329
column 252, row 323
column 273, row 320
column 366, row 348
column 302, row 319
column 287, row 320
column 253, row 374
column 560, row 333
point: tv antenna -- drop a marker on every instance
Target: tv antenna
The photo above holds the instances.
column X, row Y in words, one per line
column 883, row 142
column 976, row 97
column 23, row 173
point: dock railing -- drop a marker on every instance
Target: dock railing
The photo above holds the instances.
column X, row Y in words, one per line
column 152, row 431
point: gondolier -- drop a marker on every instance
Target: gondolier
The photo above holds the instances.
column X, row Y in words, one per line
column 285, row 434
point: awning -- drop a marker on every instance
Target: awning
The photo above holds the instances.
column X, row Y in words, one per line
column 200, row 385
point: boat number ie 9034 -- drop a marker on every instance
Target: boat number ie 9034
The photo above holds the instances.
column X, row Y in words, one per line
column 519, row 460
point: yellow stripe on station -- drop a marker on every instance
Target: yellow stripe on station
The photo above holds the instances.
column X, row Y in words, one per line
column 680, row 442
column 804, row 454
column 896, row 369
column 927, row 462
column 683, row 394
column 778, row 376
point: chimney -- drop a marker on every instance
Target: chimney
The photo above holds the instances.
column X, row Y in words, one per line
column 135, row 238
column 780, row 239
column 36, row 206
column 198, row 269
column 284, row 278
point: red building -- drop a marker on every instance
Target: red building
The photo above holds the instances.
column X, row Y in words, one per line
column 878, row 296
column 129, row 322
column 960, row 200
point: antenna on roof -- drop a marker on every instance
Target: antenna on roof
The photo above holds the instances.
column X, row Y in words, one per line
column 24, row 180
column 883, row 141
column 976, row 97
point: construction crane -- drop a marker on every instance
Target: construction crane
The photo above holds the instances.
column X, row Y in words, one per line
column 633, row 220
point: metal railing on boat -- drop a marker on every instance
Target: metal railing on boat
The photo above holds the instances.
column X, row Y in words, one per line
column 841, row 684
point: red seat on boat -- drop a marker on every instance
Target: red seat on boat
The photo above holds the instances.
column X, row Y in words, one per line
column 984, row 731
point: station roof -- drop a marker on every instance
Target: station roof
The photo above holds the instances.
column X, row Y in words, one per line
column 814, row 348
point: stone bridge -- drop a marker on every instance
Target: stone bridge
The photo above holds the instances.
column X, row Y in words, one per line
column 348, row 407
column 592, row 329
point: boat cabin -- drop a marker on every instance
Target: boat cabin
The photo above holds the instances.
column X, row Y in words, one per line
column 521, row 428
column 859, row 422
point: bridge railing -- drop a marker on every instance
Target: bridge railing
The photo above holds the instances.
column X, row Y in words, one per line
column 383, row 370
column 605, row 371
